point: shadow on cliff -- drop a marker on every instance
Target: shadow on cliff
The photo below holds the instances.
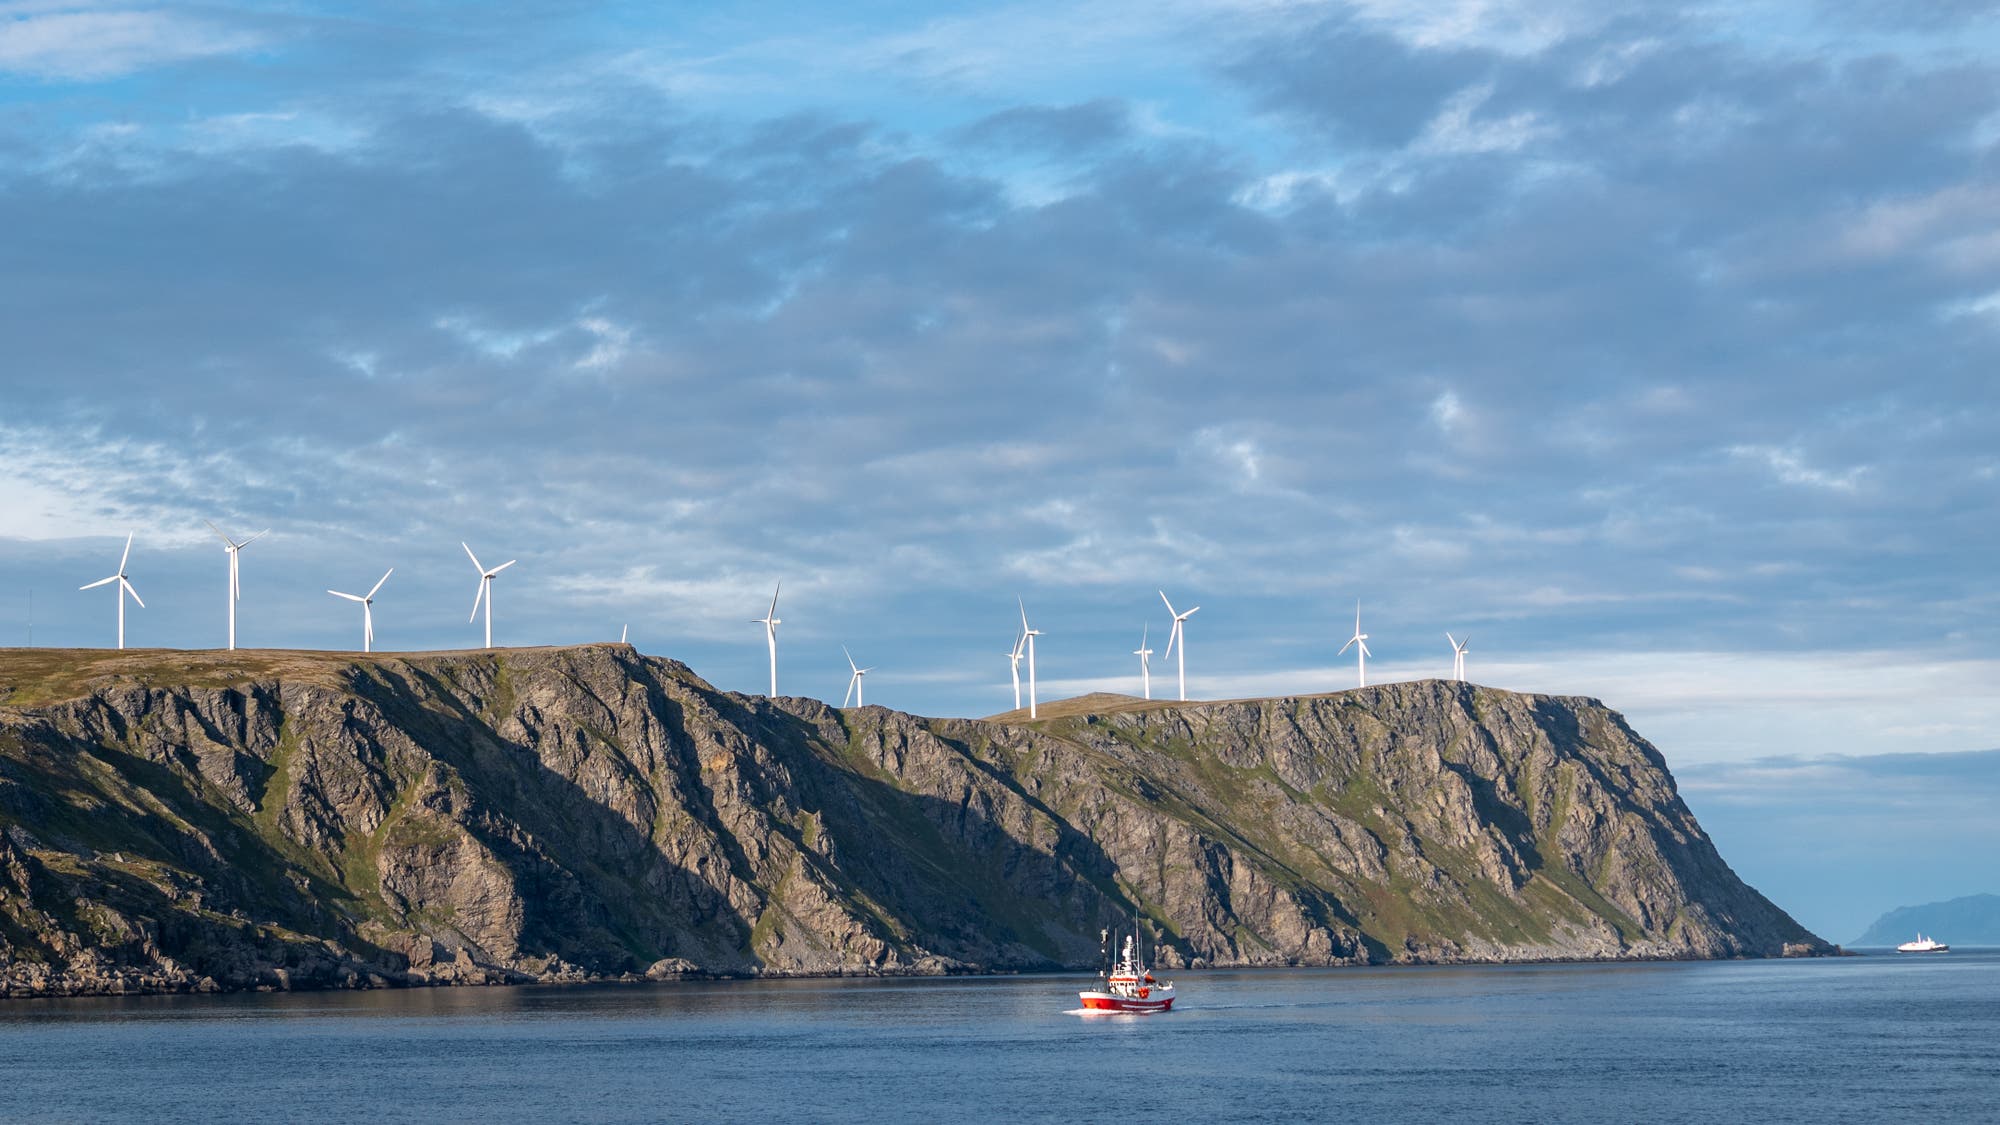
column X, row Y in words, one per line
column 594, row 890
column 942, row 876
column 204, row 928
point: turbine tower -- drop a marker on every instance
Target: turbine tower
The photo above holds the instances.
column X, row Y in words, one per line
column 367, row 613
column 1178, row 637
column 1014, row 661
column 1145, row 656
column 853, row 681
column 770, row 623
column 124, row 588
column 1358, row 642
column 485, row 589
column 235, row 585
column 1029, row 636
column 1458, row 657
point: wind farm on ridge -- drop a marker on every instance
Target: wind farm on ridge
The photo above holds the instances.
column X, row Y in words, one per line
column 1023, row 647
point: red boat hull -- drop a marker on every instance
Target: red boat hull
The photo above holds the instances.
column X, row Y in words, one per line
column 1105, row 1002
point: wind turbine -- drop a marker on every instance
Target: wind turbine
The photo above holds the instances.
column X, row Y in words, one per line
column 485, row 592
column 854, row 681
column 124, row 588
column 1029, row 636
column 1014, row 661
column 367, row 613
column 1458, row 657
column 770, row 623
column 1178, row 636
column 1358, row 642
column 235, row 585
column 1145, row 656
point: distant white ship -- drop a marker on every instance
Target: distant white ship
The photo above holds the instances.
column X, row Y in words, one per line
column 1923, row 945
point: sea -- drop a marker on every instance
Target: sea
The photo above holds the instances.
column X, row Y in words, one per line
column 1871, row 1038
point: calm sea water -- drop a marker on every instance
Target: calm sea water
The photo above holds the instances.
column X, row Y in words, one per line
column 1880, row 1038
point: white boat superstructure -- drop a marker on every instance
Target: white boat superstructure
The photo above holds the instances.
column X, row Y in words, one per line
column 1923, row 945
column 1129, row 986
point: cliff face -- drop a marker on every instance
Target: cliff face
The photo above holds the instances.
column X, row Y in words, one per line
column 212, row 820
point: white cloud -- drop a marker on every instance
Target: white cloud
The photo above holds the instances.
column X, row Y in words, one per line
column 1789, row 466
column 1697, row 707
column 81, row 42
column 1458, row 130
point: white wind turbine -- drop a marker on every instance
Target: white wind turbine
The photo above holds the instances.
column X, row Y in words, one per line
column 1029, row 635
column 1014, row 661
column 367, row 610
column 485, row 592
column 1179, row 638
column 854, row 681
column 1358, row 642
column 235, row 584
column 1145, row 656
column 124, row 588
column 1458, row 657
column 770, row 623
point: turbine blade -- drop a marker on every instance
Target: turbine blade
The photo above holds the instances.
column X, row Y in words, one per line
column 131, row 591
column 1364, row 649
column 1345, row 647
column 773, row 611
column 1448, row 640
column 349, row 597
column 473, row 557
column 501, row 567
column 1190, row 613
column 850, row 692
column 99, row 582
column 253, row 538
column 1024, row 614
column 1170, row 605
column 385, row 578
column 127, row 556
column 219, row 535
column 475, row 598
column 850, row 658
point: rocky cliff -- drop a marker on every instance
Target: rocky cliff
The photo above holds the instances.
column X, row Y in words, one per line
column 175, row 821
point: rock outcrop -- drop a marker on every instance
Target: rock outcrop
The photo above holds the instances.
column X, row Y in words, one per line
column 200, row 821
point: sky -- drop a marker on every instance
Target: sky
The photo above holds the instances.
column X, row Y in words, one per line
column 1651, row 345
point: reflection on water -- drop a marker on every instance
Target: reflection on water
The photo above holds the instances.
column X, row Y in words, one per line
column 1804, row 1040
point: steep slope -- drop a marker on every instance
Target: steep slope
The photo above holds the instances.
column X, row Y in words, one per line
column 228, row 820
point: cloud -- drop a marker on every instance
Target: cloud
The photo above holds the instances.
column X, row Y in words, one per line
column 89, row 42
column 1578, row 328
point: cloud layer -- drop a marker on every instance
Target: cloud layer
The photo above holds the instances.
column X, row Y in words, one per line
column 1584, row 330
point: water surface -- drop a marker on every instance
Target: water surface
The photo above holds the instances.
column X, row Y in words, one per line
column 1856, row 1039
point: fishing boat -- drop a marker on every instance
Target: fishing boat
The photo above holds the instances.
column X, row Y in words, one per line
column 1127, row 985
column 1923, row 945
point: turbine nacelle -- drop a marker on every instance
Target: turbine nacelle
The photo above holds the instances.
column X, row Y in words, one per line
column 770, row 621
column 484, row 593
column 853, row 680
column 124, row 587
column 367, row 609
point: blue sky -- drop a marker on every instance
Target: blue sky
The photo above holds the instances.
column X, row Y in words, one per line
column 1651, row 345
